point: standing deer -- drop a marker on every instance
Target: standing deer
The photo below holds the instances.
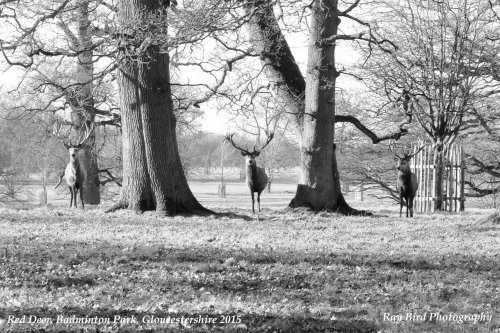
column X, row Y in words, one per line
column 256, row 178
column 407, row 183
column 74, row 173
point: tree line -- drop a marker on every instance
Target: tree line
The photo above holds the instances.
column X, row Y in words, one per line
column 147, row 68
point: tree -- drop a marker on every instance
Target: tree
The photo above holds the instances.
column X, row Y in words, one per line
column 55, row 45
column 481, row 137
column 311, row 102
column 68, row 50
column 153, row 178
column 443, row 63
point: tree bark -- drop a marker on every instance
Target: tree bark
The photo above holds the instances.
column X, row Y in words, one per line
column 316, row 184
column 81, row 101
column 153, row 178
column 311, row 102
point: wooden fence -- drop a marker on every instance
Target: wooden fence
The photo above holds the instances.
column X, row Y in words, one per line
column 425, row 165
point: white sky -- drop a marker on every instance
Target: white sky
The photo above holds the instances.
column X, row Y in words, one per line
column 218, row 121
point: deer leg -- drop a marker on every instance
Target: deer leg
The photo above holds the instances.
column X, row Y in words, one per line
column 400, row 205
column 76, row 196
column 410, row 203
column 253, row 202
column 71, row 198
column 81, row 197
column 407, row 205
column 258, row 200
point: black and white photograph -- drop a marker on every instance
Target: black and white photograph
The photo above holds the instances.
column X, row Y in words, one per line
column 274, row 166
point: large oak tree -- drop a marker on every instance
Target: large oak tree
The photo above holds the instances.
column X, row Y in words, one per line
column 310, row 101
column 153, row 178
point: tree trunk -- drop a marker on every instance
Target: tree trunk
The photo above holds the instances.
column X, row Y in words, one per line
column 438, row 180
column 316, row 187
column 311, row 102
column 82, row 103
column 91, row 187
column 153, row 178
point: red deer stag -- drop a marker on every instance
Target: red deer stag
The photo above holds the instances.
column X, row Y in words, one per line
column 74, row 173
column 256, row 178
column 407, row 183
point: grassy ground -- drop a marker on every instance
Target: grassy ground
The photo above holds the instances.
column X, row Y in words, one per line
column 285, row 272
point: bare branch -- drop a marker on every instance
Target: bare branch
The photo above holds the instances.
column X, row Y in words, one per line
column 375, row 139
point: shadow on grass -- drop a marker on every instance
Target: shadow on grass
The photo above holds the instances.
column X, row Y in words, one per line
column 76, row 253
column 257, row 275
column 163, row 321
column 350, row 259
column 232, row 215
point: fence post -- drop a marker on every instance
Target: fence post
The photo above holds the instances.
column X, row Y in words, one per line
column 462, row 180
column 418, row 171
column 425, row 174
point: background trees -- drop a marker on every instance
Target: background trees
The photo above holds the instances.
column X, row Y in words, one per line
column 426, row 63
column 442, row 68
column 63, row 50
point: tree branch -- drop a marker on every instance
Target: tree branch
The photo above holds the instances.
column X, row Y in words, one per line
column 375, row 139
column 489, row 169
column 480, row 192
column 111, row 178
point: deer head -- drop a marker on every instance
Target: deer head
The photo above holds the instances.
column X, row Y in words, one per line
column 403, row 162
column 83, row 136
column 250, row 155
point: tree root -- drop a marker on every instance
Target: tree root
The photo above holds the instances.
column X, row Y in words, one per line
column 117, row 206
column 180, row 209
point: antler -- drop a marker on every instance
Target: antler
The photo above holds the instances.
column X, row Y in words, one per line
column 229, row 138
column 57, row 129
column 88, row 131
column 269, row 138
column 81, row 138
column 410, row 155
column 391, row 147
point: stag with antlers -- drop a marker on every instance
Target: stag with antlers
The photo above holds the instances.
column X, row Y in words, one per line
column 256, row 178
column 407, row 182
column 74, row 173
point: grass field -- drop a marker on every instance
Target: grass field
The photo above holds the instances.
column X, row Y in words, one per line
column 288, row 271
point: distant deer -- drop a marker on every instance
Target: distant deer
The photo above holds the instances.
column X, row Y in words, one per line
column 256, row 178
column 74, row 173
column 407, row 183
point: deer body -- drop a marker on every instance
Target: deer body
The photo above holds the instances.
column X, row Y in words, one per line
column 407, row 182
column 256, row 177
column 406, row 185
column 74, row 173
column 74, row 178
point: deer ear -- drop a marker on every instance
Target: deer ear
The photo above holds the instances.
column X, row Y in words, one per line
column 396, row 159
column 257, row 153
column 243, row 153
column 66, row 145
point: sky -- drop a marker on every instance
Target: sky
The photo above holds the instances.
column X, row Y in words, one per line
column 218, row 121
